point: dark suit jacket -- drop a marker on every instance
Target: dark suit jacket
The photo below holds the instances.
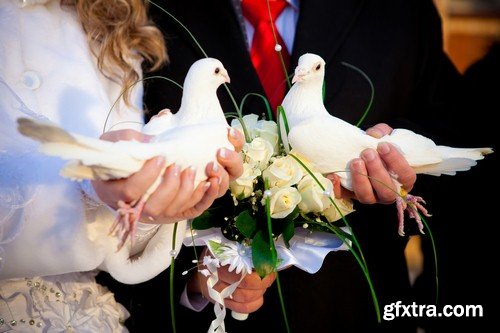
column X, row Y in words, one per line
column 398, row 45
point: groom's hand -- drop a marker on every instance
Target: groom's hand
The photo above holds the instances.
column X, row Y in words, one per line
column 248, row 296
column 371, row 173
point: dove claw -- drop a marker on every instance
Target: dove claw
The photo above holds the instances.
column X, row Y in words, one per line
column 414, row 206
column 125, row 224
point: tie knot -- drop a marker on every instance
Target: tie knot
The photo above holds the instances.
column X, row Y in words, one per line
column 257, row 11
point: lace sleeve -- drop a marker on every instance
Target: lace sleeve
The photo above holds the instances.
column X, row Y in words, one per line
column 19, row 177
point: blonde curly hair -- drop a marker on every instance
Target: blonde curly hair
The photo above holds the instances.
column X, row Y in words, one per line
column 120, row 33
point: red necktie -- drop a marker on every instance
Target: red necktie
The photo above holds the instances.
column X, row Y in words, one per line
column 264, row 57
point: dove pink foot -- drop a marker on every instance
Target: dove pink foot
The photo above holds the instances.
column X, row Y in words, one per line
column 126, row 222
column 414, row 206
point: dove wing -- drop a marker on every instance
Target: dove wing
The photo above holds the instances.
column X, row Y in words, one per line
column 329, row 144
column 193, row 145
column 90, row 158
column 417, row 149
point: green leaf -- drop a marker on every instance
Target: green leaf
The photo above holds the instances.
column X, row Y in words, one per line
column 288, row 232
column 215, row 247
column 262, row 256
column 246, row 224
column 202, row 222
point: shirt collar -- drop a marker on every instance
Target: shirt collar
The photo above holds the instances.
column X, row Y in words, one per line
column 293, row 3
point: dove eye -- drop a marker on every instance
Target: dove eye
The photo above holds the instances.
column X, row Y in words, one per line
column 217, row 70
column 318, row 67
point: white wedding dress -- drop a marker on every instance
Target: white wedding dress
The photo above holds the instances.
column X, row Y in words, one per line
column 71, row 302
column 54, row 232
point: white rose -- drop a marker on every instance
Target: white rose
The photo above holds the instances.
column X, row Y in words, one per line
column 250, row 122
column 268, row 130
column 283, row 172
column 344, row 205
column 283, row 201
column 258, row 153
column 314, row 198
column 242, row 187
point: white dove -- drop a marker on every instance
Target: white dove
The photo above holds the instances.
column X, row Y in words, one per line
column 330, row 143
column 189, row 138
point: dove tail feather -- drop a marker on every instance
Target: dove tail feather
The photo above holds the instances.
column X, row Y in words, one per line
column 43, row 131
column 471, row 153
column 449, row 167
column 75, row 170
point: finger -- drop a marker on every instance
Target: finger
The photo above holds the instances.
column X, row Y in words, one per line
column 208, row 198
column 231, row 161
column 183, row 194
column 241, row 295
column 125, row 135
column 247, row 307
column 189, row 211
column 215, row 170
column 247, row 295
column 337, row 189
column 380, row 178
column 254, row 282
column 361, row 184
column 268, row 280
column 379, row 130
column 165, row 193
column 138, row 183
column 236, row 139
column 397, row 164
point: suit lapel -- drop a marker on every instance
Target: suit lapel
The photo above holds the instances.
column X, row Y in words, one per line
column 323, row 26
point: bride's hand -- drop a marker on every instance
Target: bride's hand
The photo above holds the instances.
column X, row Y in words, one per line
column 175, row 198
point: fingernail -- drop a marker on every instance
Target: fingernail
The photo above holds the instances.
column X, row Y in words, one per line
column 207, row 185
column 376, row 133
column 147, row 139
column 220, row 180
column 192, row 171
column 232, row 133
column 177, row 170
column 368, row 155
column 383, row 148
column 223, row 152
column 215, row 167
column 357, row 164
column 160, row 160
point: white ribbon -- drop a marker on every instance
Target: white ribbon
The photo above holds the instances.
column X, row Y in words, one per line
column 217, row 325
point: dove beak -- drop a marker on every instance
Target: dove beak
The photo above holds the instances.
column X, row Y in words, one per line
column 226, row 77
column 300, row 72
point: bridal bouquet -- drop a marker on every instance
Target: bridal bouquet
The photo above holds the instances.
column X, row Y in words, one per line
column 276, row 194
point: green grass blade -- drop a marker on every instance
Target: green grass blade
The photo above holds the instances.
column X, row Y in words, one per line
column 434, row 250
column 273, row 251
column 233, row 100
column 172, row 266
column 129, row 87
column 264, row 100
column 360, row 259
column 283, row 121
column 372, row 96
